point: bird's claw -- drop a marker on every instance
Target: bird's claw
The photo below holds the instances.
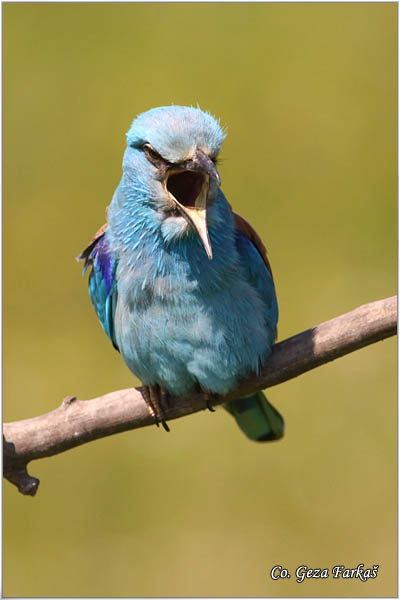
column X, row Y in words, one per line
column 154, row 397
column 164, row 424
column 209, row 406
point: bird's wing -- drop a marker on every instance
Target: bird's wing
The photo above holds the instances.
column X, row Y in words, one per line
column 244, row 227
column 255, row 261
column 103, row 289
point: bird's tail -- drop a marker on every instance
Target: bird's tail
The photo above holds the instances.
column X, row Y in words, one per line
column 257, row 418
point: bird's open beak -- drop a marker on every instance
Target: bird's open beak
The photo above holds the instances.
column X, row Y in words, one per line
column 188, row 189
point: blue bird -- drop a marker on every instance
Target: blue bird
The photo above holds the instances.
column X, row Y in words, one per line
column 181, row 284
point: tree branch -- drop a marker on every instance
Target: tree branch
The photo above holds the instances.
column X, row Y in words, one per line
column 77, row 422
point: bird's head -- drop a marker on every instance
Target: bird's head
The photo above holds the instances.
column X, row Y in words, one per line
column 172, row 152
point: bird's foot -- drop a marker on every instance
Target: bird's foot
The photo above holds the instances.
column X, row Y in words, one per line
column 155, row 397
column 209, row 398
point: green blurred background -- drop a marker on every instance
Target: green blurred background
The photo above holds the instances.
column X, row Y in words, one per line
column 308, row 95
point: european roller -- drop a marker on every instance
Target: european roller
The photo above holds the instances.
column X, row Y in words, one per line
column 181, row 284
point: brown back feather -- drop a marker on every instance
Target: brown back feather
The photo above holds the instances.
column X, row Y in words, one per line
column 245, row 227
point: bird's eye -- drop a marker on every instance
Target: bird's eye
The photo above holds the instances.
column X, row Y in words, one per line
column 151, row 154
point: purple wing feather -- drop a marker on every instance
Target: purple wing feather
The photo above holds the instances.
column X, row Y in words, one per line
column 102, row 283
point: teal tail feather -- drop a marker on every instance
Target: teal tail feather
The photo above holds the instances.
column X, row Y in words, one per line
column 257, row 418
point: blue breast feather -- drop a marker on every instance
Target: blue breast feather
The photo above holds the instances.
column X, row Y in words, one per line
column 103, row 292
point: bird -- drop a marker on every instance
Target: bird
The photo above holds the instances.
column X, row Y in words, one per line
column 181, row 284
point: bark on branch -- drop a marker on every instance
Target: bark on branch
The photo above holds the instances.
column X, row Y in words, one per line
column 77, row 422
